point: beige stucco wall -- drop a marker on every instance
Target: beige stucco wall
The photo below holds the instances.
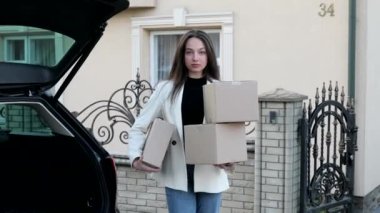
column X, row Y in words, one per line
column 279, row 43
column 106, row 69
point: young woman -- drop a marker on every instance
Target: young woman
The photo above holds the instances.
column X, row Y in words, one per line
column 179, row 100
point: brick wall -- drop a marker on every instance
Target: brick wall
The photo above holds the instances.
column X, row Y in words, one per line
column 267, row 182
column 278, row 153
column 138, row 192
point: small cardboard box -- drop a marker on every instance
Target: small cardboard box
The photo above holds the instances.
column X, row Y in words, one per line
column 231, row 101
column 215, row 143
column 157, row 142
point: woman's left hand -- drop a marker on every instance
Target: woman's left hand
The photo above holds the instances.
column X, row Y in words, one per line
column 226, row 166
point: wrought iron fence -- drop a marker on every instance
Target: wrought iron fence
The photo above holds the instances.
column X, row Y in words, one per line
column 328, row 150
column 124, row 104
column 122, row 107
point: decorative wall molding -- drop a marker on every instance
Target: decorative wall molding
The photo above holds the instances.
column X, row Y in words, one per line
column 142, row 3
column 180, row 18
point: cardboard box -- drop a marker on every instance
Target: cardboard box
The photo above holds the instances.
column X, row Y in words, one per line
column 215, row 143
column 231, row 101
column 157, row 142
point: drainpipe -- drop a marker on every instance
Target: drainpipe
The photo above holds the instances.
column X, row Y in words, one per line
column 351, row 47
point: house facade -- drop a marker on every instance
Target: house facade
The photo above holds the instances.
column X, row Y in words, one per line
column 295, row 45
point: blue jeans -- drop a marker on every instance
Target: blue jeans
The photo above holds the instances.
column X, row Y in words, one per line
column 190, row 201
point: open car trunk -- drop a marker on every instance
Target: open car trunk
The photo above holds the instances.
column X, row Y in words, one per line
column 49, row 162
column 46, row 174
column 45, row 166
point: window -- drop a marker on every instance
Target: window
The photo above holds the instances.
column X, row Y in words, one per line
column 163, row 49
column 22, row 119
column 30, row 49
column 21, row 44
column 15, row 50
column 2, row 116
column 42, row 51
column 153, row 40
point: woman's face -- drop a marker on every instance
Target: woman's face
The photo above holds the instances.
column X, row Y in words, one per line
column 195, row 57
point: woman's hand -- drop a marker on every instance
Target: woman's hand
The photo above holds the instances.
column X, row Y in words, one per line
column 139, row 164
column 226, row 166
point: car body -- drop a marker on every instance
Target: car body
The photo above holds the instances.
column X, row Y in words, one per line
column 49, row 162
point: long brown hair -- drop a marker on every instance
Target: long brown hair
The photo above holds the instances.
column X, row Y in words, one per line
column 179, row 71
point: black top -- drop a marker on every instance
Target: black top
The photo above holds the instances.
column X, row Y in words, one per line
column 192, row 112
column 192, row 101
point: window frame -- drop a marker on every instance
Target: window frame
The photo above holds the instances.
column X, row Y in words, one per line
column 143, row 26
column 27, row 45
column 152, row 71
column 6, row 48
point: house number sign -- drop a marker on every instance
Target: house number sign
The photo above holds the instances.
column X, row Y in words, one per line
column 326, row 9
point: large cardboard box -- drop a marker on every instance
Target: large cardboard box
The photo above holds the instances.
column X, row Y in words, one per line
column 215, row 143
column 231, row 101
column 157, row 141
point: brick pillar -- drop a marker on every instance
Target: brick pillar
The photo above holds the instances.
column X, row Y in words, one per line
column 278, row 152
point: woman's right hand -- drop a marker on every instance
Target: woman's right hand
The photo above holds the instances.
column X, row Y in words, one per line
column 139, row 164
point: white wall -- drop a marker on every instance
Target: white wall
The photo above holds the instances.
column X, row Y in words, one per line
column 368, row 97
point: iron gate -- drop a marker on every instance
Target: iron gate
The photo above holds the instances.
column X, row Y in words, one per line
column 328, row 137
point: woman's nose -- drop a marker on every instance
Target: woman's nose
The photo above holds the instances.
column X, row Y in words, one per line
column 195, row 56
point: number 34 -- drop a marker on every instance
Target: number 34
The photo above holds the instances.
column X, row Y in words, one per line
column 326, row 9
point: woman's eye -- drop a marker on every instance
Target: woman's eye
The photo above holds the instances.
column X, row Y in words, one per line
column 202, row 52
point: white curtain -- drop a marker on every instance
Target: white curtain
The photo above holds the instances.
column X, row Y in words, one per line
column 42, row 51
column 165, row 46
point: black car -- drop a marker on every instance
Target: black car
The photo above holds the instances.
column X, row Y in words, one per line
column 48, row 161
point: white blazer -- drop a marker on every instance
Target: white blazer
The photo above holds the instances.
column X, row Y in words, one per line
column 173, row 174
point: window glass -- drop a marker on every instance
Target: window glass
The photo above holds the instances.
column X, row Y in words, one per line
column 42, row 51
column 22, row 119
column 20, row 44
column 2, row 116
column 15, row 50
column 164, row 46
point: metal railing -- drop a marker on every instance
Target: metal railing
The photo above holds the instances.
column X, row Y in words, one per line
column 123, row 106
column 328, row 148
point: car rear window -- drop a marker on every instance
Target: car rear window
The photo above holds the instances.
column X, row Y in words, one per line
column 22, row 119
column 30, row 45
